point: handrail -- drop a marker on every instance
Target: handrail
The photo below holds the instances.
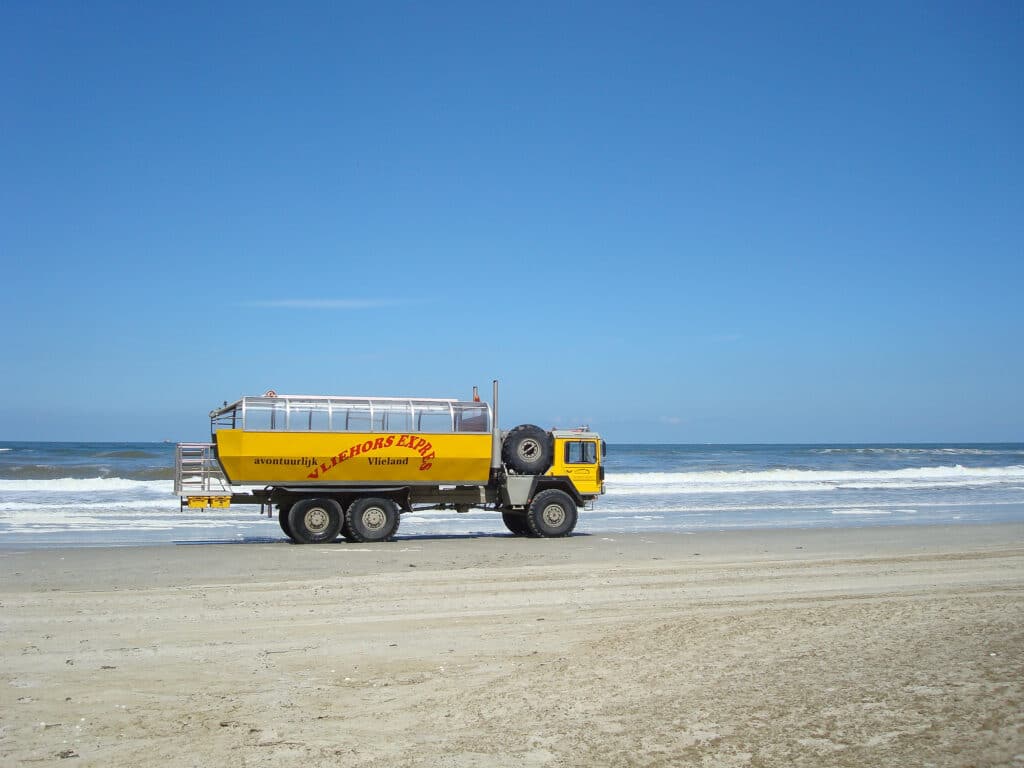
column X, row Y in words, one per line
column 343, row 414
column 197, row 471
column 240, row 402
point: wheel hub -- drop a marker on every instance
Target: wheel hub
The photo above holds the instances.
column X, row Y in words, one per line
column 374, row 518
column 554, row 515
column 529, row 449
column 317, row 520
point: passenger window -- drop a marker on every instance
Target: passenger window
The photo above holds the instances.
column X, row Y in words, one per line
column 433, row 418
column 265, row 414
column 307, row 417
column 397, row 419
column 356, row 418
column 577, row 452
column 470, row 419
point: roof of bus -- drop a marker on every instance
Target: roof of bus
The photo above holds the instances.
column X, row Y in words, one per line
column 578, row 434
column 343, row 399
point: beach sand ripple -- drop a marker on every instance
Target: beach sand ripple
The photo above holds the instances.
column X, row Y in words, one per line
column 795, row 648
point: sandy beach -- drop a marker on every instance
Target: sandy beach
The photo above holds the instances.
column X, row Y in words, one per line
column 876, row 646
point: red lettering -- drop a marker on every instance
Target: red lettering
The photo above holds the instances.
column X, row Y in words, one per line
column 368, row 446
column 314, row 474
column 353, row 451
column 403, row 441
column 378, row 443
column 390, row 441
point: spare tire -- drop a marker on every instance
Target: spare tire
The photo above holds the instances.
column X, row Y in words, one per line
column 528, row 450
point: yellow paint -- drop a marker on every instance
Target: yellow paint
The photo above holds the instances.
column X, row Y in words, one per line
column 202, row 502
column 335, row 458
column 585, row 476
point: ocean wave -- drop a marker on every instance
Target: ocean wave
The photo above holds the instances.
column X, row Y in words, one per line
column 917, row 451
column 84, row 485
column 128, row 454
column 774, row 480
column 160, row 504
column 95, row 524
column 82, row 472
column 863, row 511
column 638, row 483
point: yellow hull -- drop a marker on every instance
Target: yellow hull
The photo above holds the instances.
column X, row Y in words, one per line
column 333, row 458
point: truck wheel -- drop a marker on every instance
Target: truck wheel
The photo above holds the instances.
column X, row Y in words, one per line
column 315, row 521
column 527, row 450
column 282, row 519
column 516, row 523
column 372, row 519
column 552, row 513
column 346, row 531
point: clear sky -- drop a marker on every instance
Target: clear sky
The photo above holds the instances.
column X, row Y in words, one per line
column 717, row 222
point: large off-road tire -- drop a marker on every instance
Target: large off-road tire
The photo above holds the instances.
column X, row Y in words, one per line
column 516, row 523
column 282, row 520
column 346, row 530
column 528, row 450
column 372, row 519
column 315, row 521
column 552, row 513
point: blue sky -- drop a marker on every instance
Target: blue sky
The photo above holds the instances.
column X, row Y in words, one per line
column 721, row 222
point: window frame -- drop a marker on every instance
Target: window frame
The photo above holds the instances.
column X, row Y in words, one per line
column 583, row 452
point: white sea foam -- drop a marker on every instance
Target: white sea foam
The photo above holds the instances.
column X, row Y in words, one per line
column 634, row 517
column 169, row 505
column 774, row 480
column 117, row 509
column 85, row 485
column 644, row 483
column 917, row 451
column 51, row 519
column 862, row 511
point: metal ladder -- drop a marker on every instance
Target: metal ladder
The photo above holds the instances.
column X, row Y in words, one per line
column 198, row 478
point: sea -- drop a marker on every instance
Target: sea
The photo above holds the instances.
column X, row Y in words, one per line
column 121, row 494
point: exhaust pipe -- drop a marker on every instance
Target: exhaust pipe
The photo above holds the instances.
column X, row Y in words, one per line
column 495, row 432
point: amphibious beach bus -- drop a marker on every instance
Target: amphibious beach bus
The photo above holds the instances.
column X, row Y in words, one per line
column 351, row 466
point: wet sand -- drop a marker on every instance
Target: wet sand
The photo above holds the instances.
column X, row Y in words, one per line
column 851, row 647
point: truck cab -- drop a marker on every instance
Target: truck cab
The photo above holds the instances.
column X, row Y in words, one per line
column 579, row 456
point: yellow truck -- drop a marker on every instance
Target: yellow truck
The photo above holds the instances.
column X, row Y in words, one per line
column 352, row 465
